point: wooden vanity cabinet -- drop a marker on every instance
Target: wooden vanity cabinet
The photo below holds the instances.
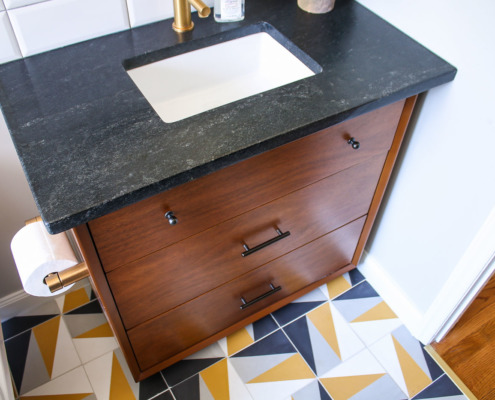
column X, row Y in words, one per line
column 241, row 242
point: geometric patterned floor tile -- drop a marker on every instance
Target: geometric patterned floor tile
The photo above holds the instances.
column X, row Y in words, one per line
column 342, row 283
column 163, row 396
column 248, row 335
column 193, row 364
column 442, row 389
column 313, row 391
column 29, row 319
column 369, row 316
column 111, row 378
column 272, row 368
column 90, row 331
column 323, row 338
column 151, row 386
column 299, row 307
column 361, row 378
column 219, row 381
column 75, row 298
column 73, row 385
column 41, row 354
column 404, row 359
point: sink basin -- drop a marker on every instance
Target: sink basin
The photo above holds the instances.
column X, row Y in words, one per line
column 184, row 85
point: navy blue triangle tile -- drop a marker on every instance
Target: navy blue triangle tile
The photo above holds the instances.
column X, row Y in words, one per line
column 164, row 396
column 185, row 369
column 187, row 390
column 263, row 327
column 435, row 370
column 355, row 276
column 293, row 311
column 151, row 386
column 17, row 349
column 16, row 325
column 361, row 291
column 92, row 307
column 443, row 387
column 323, row 393
column 276, row 343
column 299, row 335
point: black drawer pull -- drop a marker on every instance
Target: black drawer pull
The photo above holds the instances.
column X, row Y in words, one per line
column 354, row 143
column 273, row 289
column 279, row 236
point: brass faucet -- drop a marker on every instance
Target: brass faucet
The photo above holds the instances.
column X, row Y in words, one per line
column 182, row 14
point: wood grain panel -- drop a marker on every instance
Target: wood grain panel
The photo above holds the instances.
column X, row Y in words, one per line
column 140, row 229
column 185, row 326
column 469, row 348
column 179, row 273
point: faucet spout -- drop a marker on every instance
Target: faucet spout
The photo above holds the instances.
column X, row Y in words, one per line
column 182, row 14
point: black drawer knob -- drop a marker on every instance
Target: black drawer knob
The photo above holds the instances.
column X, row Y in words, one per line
column 172, row 219
column 354, row 143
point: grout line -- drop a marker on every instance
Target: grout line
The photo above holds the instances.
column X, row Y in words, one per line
column 450, row 373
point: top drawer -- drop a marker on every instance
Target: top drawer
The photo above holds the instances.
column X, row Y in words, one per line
column 137, row 230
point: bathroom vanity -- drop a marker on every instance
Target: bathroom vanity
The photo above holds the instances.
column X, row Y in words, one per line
column 195, row 228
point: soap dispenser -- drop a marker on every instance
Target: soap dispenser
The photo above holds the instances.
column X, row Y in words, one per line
column 229, row 10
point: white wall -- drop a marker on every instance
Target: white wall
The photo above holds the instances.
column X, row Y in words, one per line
column 16, row 206
column 445, row 189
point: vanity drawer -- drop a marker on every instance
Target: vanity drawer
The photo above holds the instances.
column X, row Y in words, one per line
column 174, row 275
column 172, row 332
column 140, row 229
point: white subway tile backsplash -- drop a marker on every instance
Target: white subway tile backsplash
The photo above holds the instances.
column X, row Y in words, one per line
column 142, row 12
column 10, row 4
column 2, row 8
column 56, row 23
column 9, row 50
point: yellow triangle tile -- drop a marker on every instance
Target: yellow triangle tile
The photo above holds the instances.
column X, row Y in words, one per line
column 119, row 387
column 293, row 368
column 77, row 396
column 378, row 312
column 100, row 331
column 46, row 335
column 238, row 341
column 415, row 378
column 344, row 387
column 323, row 321
column 337, row 286
column 216, row 379
column 75, row 299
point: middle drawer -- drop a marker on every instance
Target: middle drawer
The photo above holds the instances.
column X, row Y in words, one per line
column 172, row 276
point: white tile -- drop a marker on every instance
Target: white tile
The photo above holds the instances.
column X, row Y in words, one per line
column 2, row 7
column 9, row 50
column 56, row 23
column 10, row 4
column 142, row 12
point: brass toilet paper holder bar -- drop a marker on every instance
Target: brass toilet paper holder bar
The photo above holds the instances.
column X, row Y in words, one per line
column 58, row 280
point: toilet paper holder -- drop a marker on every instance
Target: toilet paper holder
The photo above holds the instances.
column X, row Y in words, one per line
column 58, row 280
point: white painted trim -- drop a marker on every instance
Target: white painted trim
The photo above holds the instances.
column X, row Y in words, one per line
column 469, row 276
column 17, row 302
column 389, row 291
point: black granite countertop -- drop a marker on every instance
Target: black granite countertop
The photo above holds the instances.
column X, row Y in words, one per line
column 90, row 143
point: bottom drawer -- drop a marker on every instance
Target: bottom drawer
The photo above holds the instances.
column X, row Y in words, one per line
column 170, row 333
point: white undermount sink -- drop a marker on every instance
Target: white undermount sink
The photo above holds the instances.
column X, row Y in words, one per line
column 188, row 84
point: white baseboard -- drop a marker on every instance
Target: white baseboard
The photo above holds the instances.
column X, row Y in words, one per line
column 14, row 303
column 454, row 295
column 389, row 291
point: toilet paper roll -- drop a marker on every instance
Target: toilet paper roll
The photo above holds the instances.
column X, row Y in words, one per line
column 37, row 253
